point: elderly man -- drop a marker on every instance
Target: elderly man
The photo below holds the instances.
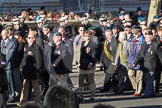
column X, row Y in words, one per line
column 135, row 72
column 108, row 56
column 148, row 55
column 58, row 58
column 128, row 31
column 8, row 47
column 30, row 65
column 121, row 60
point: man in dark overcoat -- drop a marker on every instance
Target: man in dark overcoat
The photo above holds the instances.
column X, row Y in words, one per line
column 149, row 54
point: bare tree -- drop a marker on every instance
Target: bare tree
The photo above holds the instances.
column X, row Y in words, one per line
column 154, row 9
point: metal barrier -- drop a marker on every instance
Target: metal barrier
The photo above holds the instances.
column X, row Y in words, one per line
column 55, row 23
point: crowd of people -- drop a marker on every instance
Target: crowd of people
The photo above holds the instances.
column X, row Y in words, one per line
column 42, row 56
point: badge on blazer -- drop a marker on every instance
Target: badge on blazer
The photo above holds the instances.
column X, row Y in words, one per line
column 110, row 47
column 58, row 52
column 5, row 46
column 88, row 50
column 30, row 53
column 149, row 50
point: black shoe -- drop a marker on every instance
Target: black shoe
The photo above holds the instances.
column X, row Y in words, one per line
column 42, row 98
column 101, row 68
column 119, row 93
column 157, row 91
column 81, row 100
column 103, row 90
column 147, row 96
column 11, row 100
column 91, row 100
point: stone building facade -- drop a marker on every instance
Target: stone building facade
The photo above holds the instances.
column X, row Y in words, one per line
column 76, row 5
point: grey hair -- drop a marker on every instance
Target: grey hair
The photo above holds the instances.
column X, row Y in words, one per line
column 122, row 35
column 108, row 30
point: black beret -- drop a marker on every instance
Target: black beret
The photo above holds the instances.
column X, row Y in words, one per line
column 149, row 33
column 46, row 26
column 139, row 9
column 33, row 28
column 57, row 34
column 115, row 27
column 17, row 32
column 136, row 29
column 128, row 27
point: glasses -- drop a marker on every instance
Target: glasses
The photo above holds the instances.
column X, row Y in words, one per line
column 127, row 30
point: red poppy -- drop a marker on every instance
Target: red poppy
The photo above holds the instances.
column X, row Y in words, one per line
column 5, row 46
column 135, row 41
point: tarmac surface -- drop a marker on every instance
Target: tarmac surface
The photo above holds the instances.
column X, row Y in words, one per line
column 126, row 100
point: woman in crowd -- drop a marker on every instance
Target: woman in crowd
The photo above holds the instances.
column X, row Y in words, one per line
column 87, row 66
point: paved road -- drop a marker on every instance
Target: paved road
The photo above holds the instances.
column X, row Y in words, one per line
column 126, row 100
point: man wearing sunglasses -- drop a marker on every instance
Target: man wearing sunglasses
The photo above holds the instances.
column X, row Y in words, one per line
column 128, row 32
column 31, row 63
column 148, row 55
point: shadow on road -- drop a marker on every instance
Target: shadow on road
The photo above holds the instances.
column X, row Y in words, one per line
column 152, row 106
column 118, row 98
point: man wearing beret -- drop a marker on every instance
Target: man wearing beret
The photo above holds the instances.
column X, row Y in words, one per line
column 147, row 56
column 58, row 57
column 128, row 32
column 155, row 22
column 139, row 14
column 30, row 65
column 134, row 72
column 119, row 21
